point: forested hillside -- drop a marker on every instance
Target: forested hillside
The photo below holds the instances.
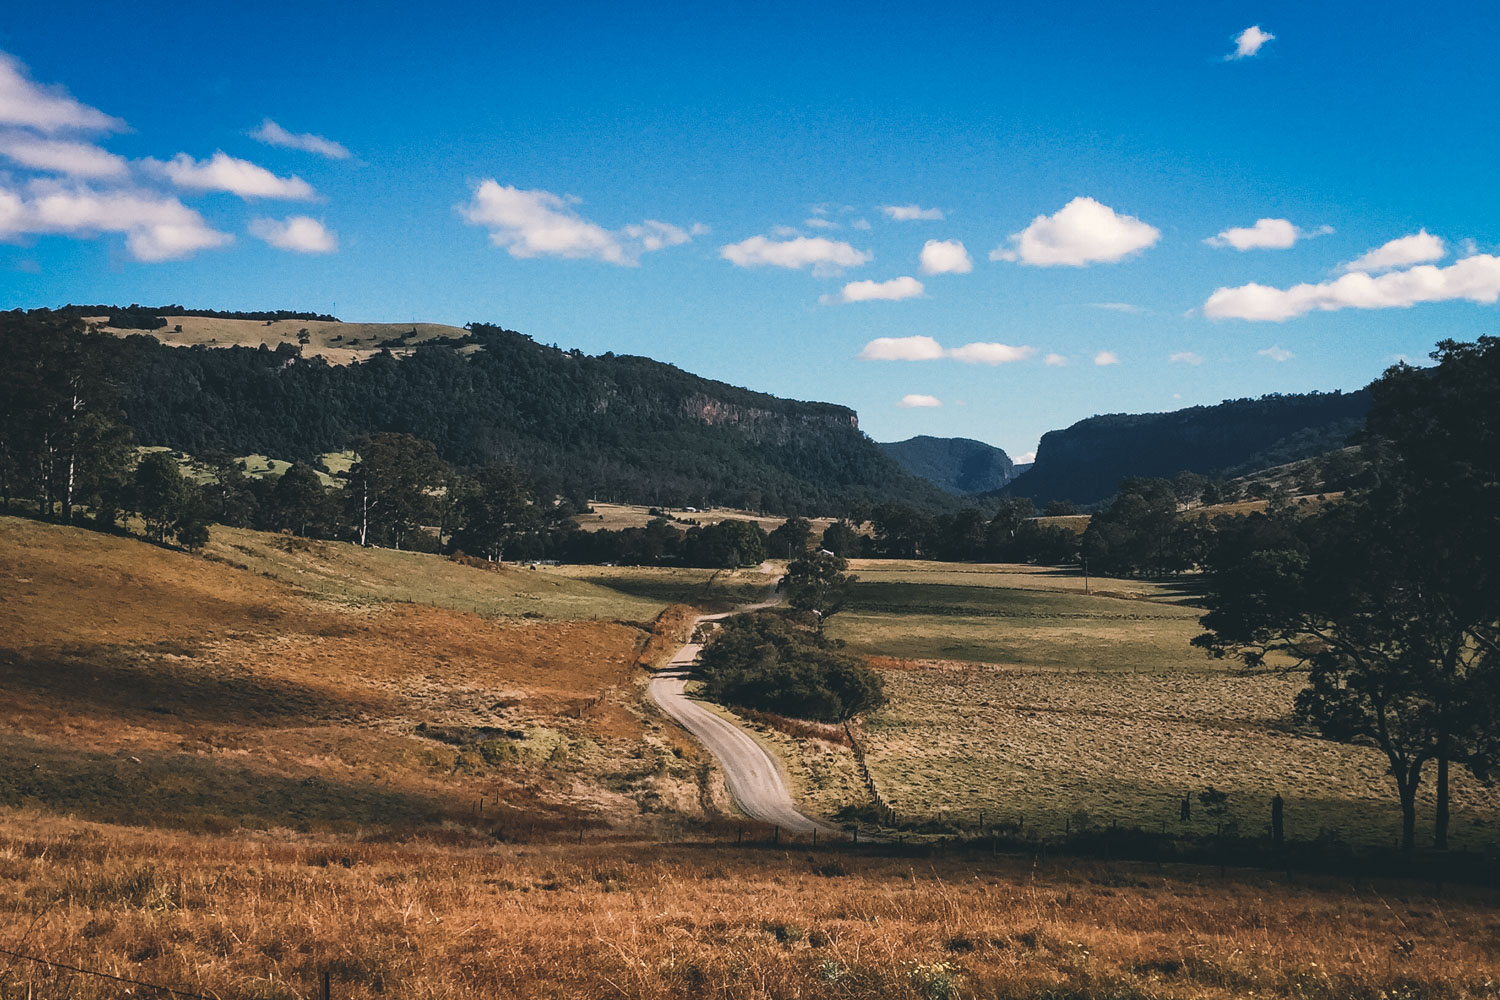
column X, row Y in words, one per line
column 607, row 427
column 1086, row 462
column 959, row 465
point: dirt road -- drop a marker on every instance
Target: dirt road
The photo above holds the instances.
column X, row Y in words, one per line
column 754, row 780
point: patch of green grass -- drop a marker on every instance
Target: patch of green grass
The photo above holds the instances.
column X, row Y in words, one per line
column 711, row 589
column 346, row 572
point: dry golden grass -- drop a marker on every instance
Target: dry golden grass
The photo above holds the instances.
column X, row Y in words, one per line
column 261, row 916
column 614, row 516
column 1125, row 747
column 339, row 343
column 144, row 685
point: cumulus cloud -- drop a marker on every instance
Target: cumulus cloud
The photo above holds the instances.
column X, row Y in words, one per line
column 222, row 172
column 537, row 223
column 1106, row 358
column 61, row 156
column 911, row 213
column 156, row 227
column 1185, row 358
column 991, row 353
column 1266, row 234
column 297, row 233
column 818, row 222
column 1418, row 248
column 1248, row 42
column 1277, row 353
column 917, row 400
column 274, row 135
column 1054, row 361
column 823, row 255
column 861, row 224
column 894, row 290
column 1081, row 232
column 945, row 257
column 902, row 349
column 1026, row 459
column 921, row 348
column 46, row 109
column 1475, row 279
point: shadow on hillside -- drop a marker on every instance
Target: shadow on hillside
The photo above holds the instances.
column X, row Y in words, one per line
column 184, row 791
column 166, row 679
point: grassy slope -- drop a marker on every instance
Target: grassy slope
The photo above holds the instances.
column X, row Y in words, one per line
column 1014, row 692
column 339, row 343
column 143, row 685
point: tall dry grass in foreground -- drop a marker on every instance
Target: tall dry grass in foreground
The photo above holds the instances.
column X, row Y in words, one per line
column 257, row 916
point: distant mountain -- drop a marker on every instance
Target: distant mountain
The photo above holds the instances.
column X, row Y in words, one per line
column 607, row 427
column 958, row 465
column 1084, row 463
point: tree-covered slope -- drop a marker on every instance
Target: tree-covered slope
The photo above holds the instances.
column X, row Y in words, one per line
column 1086, row 462
column 608, row 427
column 959, row 465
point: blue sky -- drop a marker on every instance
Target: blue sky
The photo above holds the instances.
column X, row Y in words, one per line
column 724, row 188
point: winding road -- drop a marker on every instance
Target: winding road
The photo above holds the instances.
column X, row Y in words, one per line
column 754, row 780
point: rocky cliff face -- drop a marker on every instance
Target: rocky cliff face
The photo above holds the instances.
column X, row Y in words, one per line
column 759, row 422
column 1085, row 462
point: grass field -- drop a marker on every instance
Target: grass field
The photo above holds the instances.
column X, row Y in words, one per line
column 338, row 343
column 311, row 691
column 461, row 916
column 1014, row 692
column 614, row 516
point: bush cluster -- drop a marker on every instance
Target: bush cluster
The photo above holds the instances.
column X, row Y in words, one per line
column 777, row 661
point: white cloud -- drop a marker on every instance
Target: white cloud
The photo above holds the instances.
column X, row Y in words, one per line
column 894, row 290
column 1081, row 232
column 298, row 233
column 1119, row 307
column 1266, row 234
column 1248, row 42
column 223, row 172
column 46, row 109
column 1277, row 353
column 861, row 224
column 920, row 348
column 61, row 156
column 786, row 232
column 945, row 257
column 274, row 135
column 917, row 400
column 538, row 223
column 1025, row 459
column 1418, row 248
column 991, row 353
column 1185, row 358
column 823, row 255
column 911, row 213
column 1054, row 361
column 902, row 349
column 1106, row 358
column 818, row 222
column 156, row 227
column 1475, row 279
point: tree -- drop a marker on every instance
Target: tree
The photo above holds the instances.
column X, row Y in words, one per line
column 790, row 537
column 227, row 492
column 392, row 487
column 1391, row 599
column 160, row 494
column 301, row 500
column 725, row 545
column 493, row 507
column 818, row 583
column 842, row 539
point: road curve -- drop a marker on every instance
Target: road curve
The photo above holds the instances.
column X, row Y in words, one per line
column 754, row 781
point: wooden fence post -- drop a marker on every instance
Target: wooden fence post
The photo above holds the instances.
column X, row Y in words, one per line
column 327, row 986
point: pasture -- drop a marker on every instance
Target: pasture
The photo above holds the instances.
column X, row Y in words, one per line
column 1013, row 691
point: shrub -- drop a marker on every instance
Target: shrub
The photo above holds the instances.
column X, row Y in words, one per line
column 777, row 661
